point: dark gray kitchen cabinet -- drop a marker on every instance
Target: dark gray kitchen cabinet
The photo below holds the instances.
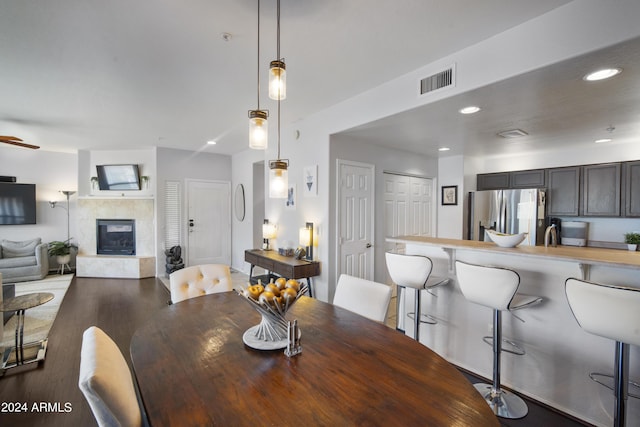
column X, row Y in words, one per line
column 528, row 179
column 601, row 189
column 563, row 191
column 492, row 181
column 631, row 185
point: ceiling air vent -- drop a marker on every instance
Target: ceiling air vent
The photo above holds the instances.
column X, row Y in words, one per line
column 512, row 133
column 437, row 81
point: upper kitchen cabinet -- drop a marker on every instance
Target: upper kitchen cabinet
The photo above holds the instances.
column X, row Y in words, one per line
column 563, row 195
column 601, row 190
column 631, row 185
column 528, row 179
column 492, row 181
column 517, row 179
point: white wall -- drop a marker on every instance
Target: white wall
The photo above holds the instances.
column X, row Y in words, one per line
column 450, row 218
column 144, row 158
column 179, row 165
column 51, row 172
column 244, row 232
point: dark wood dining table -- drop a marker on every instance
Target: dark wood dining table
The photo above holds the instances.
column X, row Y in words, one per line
column 193, row 369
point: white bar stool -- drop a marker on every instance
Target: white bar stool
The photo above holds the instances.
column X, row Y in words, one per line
column 496, row 288
column 413, row 271
column 611, row 312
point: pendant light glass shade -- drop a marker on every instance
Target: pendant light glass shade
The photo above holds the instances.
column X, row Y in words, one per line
column 278, row 179
column 258, row 129
column 277, row 80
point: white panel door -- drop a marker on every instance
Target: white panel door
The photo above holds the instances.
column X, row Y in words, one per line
column 409, row 206
column 423, row 204
column 208, row 222
column 355, row 219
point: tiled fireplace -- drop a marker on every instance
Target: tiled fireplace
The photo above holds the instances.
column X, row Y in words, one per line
column 128, row 227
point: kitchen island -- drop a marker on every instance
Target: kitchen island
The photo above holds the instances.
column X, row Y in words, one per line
column 560, row 355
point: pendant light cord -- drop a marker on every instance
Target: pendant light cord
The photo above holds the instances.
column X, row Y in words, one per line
column 258, row 73
column 278, row 56
column 278, row 128
column 278, row 34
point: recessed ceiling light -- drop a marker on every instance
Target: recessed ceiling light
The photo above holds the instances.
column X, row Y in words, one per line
column 469, row 110
column 605, row 73
column 444, row 149
column 600, row 141
column 212, row 142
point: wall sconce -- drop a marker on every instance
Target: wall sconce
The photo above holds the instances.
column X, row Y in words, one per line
column 306, row 239
column 268, row 232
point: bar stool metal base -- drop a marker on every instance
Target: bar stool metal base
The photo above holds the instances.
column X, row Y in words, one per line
column 503, row 403
column 607, row 380
column 424, row 318
column 513, row 348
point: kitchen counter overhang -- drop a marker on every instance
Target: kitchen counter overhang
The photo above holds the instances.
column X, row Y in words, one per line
column 585, row 256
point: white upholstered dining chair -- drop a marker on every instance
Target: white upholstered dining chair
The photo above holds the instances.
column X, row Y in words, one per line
column 106, row 382
column 199, row 280
column 364, row 297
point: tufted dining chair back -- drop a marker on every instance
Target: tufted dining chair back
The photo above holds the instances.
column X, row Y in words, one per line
column 198, row 280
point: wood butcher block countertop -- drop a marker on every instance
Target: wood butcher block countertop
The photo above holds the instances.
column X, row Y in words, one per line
column 583, row 255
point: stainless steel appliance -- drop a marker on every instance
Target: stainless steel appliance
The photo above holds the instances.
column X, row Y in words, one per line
column 508, row 211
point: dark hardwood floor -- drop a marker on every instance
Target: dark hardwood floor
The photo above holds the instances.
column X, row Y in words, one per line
column 119, row 306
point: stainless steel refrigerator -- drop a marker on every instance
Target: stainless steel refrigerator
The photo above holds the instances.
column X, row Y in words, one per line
column 508, row 211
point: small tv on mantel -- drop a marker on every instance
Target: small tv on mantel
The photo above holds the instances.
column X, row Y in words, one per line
column 118, row 177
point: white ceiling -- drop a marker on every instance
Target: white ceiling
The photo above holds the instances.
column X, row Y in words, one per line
column 118, row 74
column 553, row 105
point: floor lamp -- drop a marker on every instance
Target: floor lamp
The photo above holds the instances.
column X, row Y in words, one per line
column 67, row 194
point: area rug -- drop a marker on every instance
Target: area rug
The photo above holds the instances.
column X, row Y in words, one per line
column 38, row 320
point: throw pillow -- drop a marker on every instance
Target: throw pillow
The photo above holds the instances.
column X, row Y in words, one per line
column 12, row 249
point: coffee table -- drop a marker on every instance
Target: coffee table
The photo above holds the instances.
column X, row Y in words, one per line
column 20, row 304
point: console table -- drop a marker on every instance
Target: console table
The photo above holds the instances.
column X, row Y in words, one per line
column 282, row 266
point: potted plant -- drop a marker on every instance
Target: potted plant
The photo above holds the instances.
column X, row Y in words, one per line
column 61, row 250
column 632, row 240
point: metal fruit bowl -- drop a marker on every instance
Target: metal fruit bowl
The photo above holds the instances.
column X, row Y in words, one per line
column 273, row 326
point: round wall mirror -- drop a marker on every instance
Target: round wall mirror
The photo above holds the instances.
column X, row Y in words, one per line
column 239, row 202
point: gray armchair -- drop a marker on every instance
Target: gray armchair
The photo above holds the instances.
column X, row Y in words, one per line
column 23, row 261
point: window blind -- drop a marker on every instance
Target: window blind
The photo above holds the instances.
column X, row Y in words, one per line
column 172, row 214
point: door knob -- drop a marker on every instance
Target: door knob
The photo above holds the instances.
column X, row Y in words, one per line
column 368, row 245
column 190, row 223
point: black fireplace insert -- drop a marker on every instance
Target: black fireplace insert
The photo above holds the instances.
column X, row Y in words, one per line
column 116, row 236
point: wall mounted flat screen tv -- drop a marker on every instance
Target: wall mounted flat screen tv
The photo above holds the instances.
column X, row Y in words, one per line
column 17, row 203
column 118, row 177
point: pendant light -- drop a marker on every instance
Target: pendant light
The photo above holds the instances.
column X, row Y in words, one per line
column 258, row 125
column 278, row 69
column 278, row 173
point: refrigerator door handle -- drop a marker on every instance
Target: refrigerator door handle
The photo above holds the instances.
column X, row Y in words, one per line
column 502, row 214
